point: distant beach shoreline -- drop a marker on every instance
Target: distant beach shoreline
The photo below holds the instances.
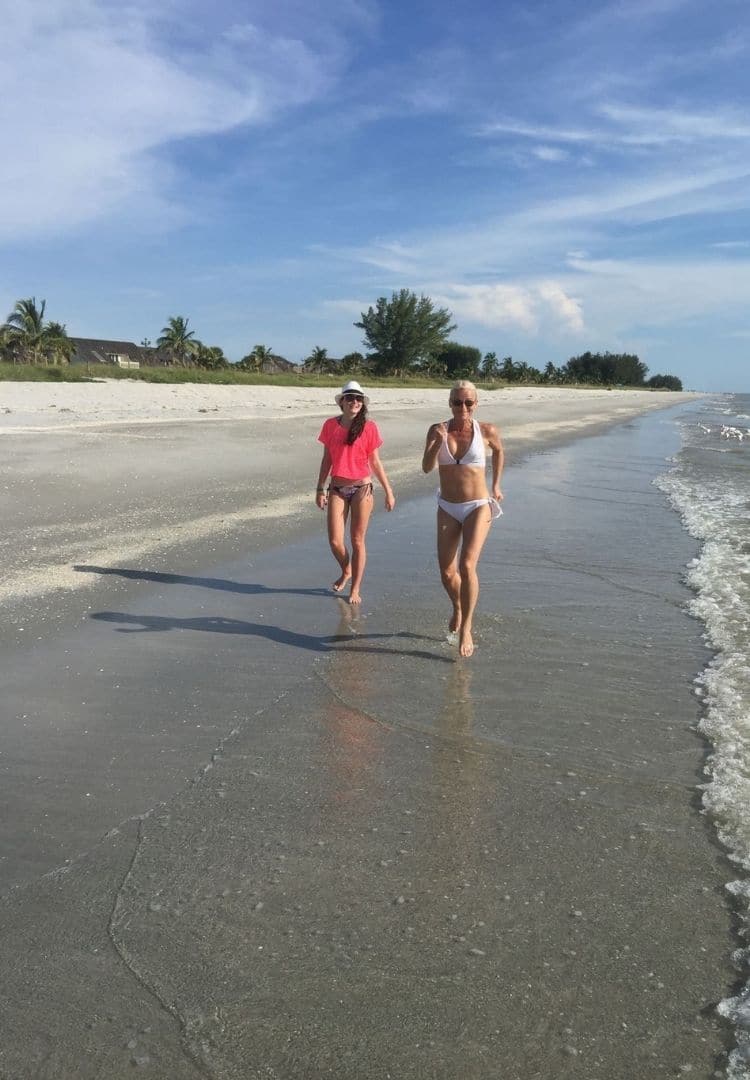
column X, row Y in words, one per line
column 51, row 406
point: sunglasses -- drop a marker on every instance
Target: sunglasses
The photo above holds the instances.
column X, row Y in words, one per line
column 352, row 397
column 458, row 404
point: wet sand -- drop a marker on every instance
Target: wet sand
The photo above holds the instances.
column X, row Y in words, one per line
column 249, row 832
column 111, row 472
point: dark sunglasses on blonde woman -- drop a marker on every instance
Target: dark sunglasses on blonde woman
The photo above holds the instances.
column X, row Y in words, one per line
column 458, row 404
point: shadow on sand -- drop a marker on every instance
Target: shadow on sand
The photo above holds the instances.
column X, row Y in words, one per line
column 138, row 624
column 223, row 585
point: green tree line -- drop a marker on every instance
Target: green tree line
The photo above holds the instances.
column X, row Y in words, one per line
column 27, row 338
column 407, row 333
column 404, row 334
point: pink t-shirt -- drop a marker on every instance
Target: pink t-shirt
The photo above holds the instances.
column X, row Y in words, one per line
column 348, row 461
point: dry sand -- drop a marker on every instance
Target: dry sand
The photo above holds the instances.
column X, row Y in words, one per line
column 32, row 407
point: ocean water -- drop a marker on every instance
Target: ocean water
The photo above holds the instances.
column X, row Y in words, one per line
column 708, row 483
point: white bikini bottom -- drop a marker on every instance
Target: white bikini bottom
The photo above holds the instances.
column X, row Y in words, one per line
column 460, row 511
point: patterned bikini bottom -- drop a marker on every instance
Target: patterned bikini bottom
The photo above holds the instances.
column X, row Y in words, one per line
column 349, row 491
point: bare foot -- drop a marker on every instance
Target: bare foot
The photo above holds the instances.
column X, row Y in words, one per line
column 466, row 644
column 340, row 582
column 454, row 627
column 354, row 597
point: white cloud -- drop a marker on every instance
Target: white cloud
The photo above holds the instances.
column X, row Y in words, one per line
column 492, row 305
column 658, row 292
column 540, row 131
column 391, row 255
column 657, row 196
column 566, row 308
column 627, row 126
column 527, row 307
column 644, row 9
column 550, row 153
column 90, row 93
column 649, row 125
column 541, row 232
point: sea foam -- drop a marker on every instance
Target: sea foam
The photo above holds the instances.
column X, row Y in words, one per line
column 711, row 492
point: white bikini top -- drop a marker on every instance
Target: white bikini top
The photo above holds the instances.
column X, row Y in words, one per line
column 475, row 455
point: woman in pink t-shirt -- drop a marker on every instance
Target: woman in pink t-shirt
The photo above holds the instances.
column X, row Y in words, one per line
column 351, row 456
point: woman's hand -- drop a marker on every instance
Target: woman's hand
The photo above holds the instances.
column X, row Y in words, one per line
column 439, row 433
column 321, row 499
column 497, row 493
column 435, row 437
column 390, row 500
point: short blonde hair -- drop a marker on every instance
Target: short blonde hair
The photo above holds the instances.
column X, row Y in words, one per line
column 463, row 384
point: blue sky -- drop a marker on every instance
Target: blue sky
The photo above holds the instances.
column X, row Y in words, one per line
column 561, row 175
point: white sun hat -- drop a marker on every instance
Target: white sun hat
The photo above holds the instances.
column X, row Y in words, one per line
column 352, row 387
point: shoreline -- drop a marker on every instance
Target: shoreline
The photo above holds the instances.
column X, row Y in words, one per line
column 110, row 479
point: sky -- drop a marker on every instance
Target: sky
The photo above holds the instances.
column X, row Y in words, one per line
column 562, row 175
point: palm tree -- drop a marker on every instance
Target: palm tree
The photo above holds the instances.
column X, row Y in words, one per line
column 8, row 346
column 318, row 361
column 177, row 341
column 508, row 370
column 57, row 345
column 254, row 360
column 25, row 327
column 261, row 354
column 210, row 357
column 526, row 373
column 490, row 365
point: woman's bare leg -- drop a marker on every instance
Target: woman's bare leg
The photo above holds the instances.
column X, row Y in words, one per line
column 475, row 530
column 448, row 538
column 338, row 511
column 361, row 509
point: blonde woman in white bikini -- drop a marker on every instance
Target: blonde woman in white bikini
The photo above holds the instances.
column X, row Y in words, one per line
column 466, row 509
column 351, row 456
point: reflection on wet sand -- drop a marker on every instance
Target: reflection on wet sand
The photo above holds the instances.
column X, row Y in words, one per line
column 460, row 785
column 351, row 741
column 457, row 716
column 456, row 772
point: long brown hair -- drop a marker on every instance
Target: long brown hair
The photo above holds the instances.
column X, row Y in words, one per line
column 358, row 425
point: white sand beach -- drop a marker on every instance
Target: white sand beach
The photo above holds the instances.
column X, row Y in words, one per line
column 32, row 406
column 113, row 471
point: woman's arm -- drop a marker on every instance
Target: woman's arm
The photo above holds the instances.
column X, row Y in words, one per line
column 435, row 437
column 376, row 466
column 321, row 497
column 492, row 435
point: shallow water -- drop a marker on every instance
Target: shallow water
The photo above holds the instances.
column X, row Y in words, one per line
column 709, row 485
column 358, row 855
